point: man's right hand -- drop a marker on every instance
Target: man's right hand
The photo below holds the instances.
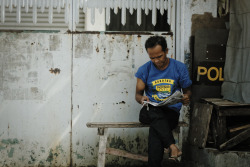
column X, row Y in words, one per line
column 144, row 98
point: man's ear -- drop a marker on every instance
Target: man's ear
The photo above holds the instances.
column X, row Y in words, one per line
column 166, row 51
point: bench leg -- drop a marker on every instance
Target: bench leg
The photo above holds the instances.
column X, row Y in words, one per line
column 102, row 132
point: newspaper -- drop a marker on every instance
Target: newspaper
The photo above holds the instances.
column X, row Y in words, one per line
column 173, row 99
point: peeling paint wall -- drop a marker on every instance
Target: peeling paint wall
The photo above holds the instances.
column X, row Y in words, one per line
column 194, row 7
column 50, row 89
column 104, row 90
column 35, row 103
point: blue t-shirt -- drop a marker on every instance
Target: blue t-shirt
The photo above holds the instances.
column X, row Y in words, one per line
column 160, row 84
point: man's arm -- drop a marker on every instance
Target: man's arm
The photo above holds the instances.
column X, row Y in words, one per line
column 187, row 94
column 140, row 87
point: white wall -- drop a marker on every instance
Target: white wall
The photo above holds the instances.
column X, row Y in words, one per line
column 34, row 103
column 96, row 79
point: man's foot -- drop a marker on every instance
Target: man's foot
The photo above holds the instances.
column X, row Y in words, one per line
column 174, row 152
column 175, row 159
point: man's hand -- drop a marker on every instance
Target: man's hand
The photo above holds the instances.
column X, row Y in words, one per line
column 186, row 96
column 144, row 98
column 185, row 100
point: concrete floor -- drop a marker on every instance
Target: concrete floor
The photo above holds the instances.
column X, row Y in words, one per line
column 211, row 157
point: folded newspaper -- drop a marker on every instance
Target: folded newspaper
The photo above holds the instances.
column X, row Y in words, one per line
column 173, row 99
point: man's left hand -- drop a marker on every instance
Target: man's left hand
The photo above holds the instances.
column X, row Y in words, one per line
column 185, row 100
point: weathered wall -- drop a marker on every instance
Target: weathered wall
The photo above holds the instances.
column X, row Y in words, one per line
column 43, row 112
column 51, row 85
column 34, row 102
column 191, row 9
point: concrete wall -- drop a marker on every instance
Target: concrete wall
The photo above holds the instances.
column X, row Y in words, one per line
column 52, row 84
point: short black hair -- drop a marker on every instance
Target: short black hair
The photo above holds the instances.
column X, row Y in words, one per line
column 156, row 40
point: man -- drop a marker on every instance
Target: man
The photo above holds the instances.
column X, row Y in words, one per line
column 159, row 78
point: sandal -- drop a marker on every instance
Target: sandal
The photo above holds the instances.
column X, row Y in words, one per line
column 173, row 158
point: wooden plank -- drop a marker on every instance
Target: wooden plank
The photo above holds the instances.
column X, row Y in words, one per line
column 199, row 126
column 115, row 124
column 102, row 149
column 122, row 124
column 221, row 130
column 231, row 130
column 126, row 154
column 236, row 140
column 223, row 103
column 234, row 111
column 214, row 128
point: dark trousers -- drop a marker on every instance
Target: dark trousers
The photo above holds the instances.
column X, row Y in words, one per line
column 162, row 121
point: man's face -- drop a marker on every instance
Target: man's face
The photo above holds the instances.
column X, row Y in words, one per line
column 158, row 57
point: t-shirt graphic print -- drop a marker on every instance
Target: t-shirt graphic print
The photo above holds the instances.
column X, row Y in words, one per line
column 161, row 89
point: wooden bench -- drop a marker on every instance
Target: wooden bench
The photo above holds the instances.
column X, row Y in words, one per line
column 102, row 128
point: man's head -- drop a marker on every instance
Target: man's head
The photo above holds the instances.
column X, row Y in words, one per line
column 156, row 40
column 156, row 47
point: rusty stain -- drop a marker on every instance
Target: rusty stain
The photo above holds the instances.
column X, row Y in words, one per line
column 12, row 31
column 29, row 31
column 169, row 33
column 83, row 32
column 116, row 32
column 55, row 71
column 97, row 49
column 130, row 33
